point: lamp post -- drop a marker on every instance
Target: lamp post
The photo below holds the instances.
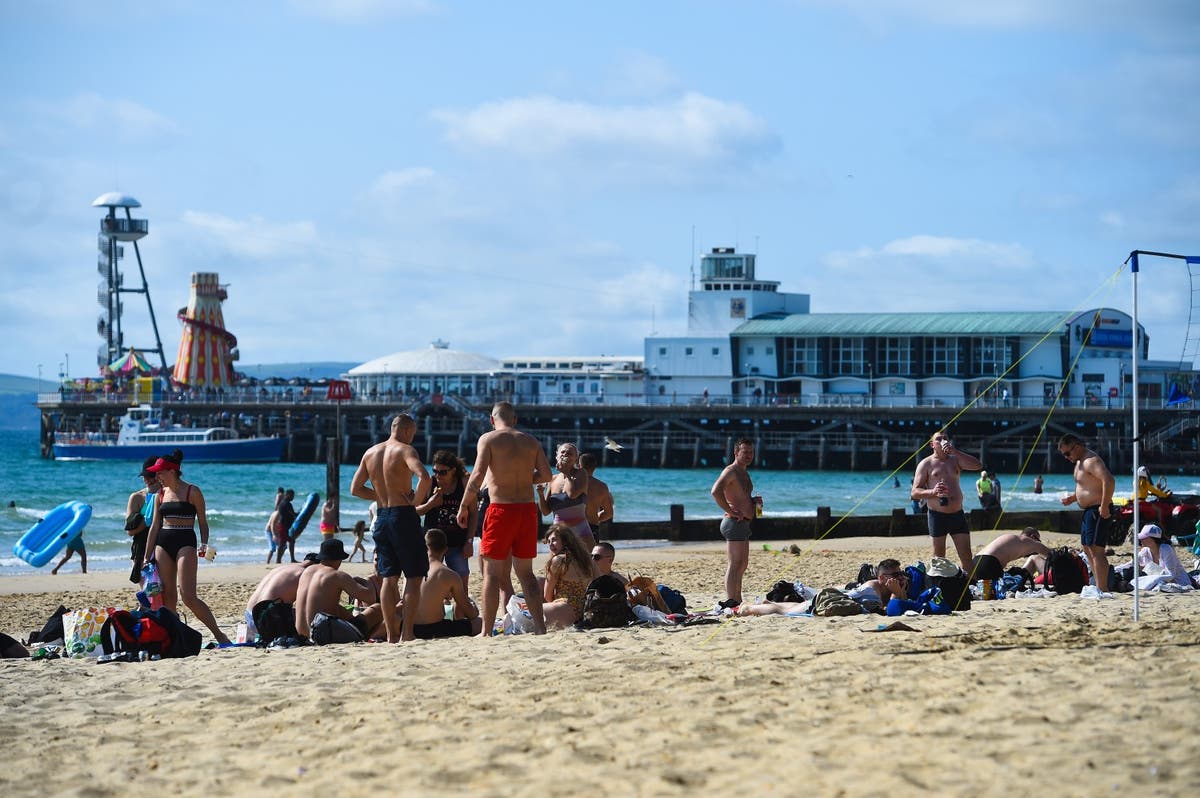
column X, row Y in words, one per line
column 39, row 379
column 870, row 384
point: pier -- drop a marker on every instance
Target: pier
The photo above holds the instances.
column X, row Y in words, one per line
column 677, row 436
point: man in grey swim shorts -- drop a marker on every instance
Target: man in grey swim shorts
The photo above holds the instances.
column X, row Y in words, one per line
column 732, row 492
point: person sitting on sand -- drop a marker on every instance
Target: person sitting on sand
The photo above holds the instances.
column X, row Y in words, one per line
column 1157, row 557
column 568, row 574
column 443, row 583
column 604, row 555
column 320, row 616
column 989, row 563
column 280, row 584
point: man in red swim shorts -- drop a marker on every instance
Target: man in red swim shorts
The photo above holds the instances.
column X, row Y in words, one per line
column 509, row 462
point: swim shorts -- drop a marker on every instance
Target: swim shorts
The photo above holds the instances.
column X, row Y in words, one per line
column 942, row 524
column 443, row 628
column 400, row 543
column 327, row 529
column 733, row 530
column 510, row 530
column 1095, row 530
column 985, row 566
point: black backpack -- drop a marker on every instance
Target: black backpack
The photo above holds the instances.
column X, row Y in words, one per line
column 274, row 619
column 605, row 605
column 1065, row 572
column 956, row 590
column 784, row 591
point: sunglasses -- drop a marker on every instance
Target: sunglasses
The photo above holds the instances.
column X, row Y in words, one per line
column 598, row 557
column 441, row 472
column 892, row 575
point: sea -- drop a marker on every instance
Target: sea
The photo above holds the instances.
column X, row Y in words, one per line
column 240, row 498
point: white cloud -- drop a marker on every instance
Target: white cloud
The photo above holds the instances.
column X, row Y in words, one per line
column 695, row 128
column 1113, row 220
column 401, row 181
column 356, row 12
column 254, row 237
column 92, row 112
column 638, row 74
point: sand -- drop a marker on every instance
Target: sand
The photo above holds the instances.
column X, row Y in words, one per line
column 998, row 699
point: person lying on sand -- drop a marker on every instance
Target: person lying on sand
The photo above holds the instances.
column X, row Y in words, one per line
column 890, row 582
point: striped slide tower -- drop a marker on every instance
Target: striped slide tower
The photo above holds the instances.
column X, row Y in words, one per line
column 206, row 349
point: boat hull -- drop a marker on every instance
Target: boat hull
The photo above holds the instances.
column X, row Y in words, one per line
column 245, row 450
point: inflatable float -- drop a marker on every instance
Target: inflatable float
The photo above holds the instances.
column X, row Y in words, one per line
column 306, row 512
column 49, row 536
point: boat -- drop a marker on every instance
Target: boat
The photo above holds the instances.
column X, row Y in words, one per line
column 143, row 433
column 49, row 535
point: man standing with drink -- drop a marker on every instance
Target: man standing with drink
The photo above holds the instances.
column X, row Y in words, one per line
column 937, row 483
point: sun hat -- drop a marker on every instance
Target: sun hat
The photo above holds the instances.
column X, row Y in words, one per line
column 163, row 464
column 940, row 566
column 1142, row 472
column 1150, row 531
column 332, row 549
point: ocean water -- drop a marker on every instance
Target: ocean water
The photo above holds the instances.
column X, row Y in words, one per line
column 240, row 498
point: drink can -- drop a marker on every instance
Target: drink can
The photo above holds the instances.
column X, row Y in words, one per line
column 989, row 590
column 143, row 656
column 210, row 553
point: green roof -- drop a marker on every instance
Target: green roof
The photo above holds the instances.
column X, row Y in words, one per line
column 827, row 324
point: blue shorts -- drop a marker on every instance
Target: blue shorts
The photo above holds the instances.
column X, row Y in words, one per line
column 457, row 562
column 1095, row 530
column 942, row 524
column 399, row 543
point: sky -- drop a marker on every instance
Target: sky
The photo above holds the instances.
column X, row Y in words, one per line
column 527, row 178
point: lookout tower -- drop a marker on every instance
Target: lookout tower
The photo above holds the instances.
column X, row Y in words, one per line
column 115, row 229
column 207, row 350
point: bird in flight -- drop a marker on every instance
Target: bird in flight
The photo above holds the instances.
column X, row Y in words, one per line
column 609, row 443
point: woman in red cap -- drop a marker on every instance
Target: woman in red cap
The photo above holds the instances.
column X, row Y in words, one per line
column 171, row 542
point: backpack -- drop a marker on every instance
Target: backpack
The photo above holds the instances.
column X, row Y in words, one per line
column 956, row 591
column 156, row 632
column 676, row 603
column 605, row 605
column 1065, row 572
column 916, row 581
column 274, row 619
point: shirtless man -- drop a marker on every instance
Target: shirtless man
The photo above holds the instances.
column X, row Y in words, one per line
column 990, row 561
column 937, row 483
column 1094, row 486
column 320, row 592
column 399, row 540
column 508, row 462
column 443, row 583
column 604, row 555
column 281, row 584
column 732, row 492
column 599, row 499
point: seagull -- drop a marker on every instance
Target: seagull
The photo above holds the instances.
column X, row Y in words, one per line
column 609, row 443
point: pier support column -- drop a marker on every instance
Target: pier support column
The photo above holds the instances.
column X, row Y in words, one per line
column 853, row 452
column 637, row 451
column 666, row 445
column 791, row 457
column 291, row 439
column 696, row 453
column 822, row 449
column 885, row 454
column 579, row 435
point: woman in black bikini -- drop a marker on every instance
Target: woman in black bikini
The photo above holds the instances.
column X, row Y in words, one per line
column 171, row 542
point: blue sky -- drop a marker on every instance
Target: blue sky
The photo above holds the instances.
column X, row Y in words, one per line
column 529, row 177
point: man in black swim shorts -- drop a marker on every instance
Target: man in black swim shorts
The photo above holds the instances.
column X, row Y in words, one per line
column 1094, row 486
column 936, row 482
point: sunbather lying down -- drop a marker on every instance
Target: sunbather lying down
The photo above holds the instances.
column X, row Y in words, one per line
column 774, row 608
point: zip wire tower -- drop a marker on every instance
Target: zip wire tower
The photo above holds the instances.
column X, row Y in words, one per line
column 115, row 229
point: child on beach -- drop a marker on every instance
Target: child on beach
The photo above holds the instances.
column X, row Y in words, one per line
column 360, row 529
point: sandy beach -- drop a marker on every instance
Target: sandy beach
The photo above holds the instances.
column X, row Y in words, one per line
column 998, row 698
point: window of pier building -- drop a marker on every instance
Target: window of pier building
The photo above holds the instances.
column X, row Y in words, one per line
column 895, row 355
column 801, row 356
column 944, row 355
column 989, row 356
column 847, row 355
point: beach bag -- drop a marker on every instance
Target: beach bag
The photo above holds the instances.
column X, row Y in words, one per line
column 273, row 618
column 676, row 603
column 605, row 605
column 643, row 591
column 134, row 632
column 81, row 631
column 517, row 620
column 1065, row 572
column 831, row 601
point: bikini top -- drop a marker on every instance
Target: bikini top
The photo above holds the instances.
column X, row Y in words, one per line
column 560, row 501
column 182, row 513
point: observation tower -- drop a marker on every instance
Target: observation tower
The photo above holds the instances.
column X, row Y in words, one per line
column 207, row 350
column 115, row 229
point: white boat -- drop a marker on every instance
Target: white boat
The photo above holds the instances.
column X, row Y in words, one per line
column 143, row 433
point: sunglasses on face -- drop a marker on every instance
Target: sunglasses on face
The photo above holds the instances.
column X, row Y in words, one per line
column 441, row 472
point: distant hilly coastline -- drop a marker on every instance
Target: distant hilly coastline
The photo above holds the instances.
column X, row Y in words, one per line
column 18, row 395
